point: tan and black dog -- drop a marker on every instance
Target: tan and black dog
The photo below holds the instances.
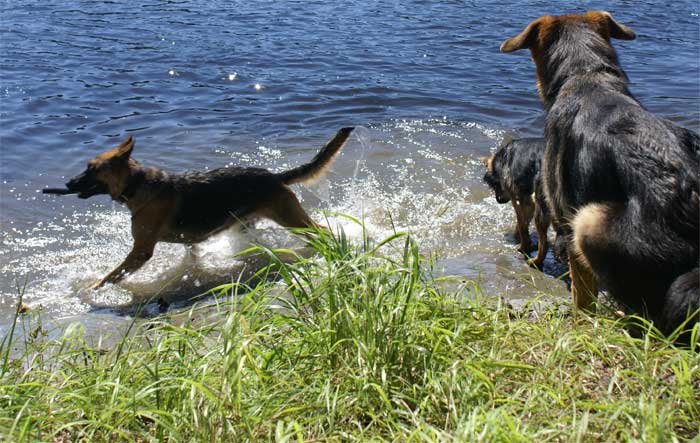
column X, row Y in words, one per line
column 513, row 174
column 621, row 181
column 189, row 207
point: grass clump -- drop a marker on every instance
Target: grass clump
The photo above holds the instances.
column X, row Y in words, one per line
column 361, row 342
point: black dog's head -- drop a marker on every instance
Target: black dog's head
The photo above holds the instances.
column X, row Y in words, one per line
column 493, row 179
column 553, row 39
column 105, row 174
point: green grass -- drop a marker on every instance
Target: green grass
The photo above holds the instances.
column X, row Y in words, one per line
column 361, row 342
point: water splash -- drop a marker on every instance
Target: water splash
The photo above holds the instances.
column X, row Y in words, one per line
column 422, row 177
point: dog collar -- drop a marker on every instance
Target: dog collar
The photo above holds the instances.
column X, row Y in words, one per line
column 129, row 191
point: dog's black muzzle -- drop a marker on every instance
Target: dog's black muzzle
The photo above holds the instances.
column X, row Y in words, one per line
column 501, row 198
column 494, row 183
column 86, row 185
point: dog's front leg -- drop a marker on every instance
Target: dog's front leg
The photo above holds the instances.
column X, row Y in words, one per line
column 522, row 227
column 146, row 227
column 139, row 255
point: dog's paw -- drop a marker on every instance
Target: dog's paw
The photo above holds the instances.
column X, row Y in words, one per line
column 535, row 263
column 97, row 285
column 525, row 249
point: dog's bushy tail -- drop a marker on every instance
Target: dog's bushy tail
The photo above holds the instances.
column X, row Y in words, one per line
column 316, row 167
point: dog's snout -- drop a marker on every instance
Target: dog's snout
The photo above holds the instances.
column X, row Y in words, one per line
column 86, row 185
column 502, row 198
column 76, row 181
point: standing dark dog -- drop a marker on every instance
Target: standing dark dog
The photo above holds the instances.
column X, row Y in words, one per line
column 513, row 173
column 622, row 182
column 189, row 207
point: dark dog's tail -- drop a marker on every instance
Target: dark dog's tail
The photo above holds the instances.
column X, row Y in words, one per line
column 682, row 304
column 316, row 167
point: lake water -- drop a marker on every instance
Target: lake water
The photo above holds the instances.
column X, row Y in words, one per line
column 266, row 83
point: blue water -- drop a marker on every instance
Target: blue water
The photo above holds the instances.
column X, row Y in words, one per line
column 203, row 84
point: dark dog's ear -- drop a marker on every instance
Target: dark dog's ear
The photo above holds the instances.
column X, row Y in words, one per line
column 123, row 151
column 488, row 162
column 523, row 40
column 616, row 29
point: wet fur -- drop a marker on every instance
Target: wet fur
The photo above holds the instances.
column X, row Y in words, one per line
column 513, row 174
column 189, row 207
column 621, row 181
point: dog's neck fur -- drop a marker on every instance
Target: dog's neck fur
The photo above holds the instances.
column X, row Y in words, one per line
column 134, row 192
column 579, row 56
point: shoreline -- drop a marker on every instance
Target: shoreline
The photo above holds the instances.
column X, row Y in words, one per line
column 362, row 342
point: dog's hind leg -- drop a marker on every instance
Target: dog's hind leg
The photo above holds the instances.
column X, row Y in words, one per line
column 682, row 305
column 523, row 215
column 542, row 222
column 559, row 247
column 285, row 210
column 621, row 244
column 584, row 284
column 588, row 227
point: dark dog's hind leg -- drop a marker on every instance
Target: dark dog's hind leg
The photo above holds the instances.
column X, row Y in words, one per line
column 620, row 245
column 542, row 222
column 523, row 213
column 285, row 210
column 682, row 303
column 559, row 247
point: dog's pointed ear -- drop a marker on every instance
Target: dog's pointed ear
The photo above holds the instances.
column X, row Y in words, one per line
column 617, row 30
column 487, row 161
column 523, row 40
column 123, row 151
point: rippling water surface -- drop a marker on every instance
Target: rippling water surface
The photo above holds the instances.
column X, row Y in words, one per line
column 205, row 84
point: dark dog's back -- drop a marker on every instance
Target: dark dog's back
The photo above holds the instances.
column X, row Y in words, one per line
column 522, row 158
column 204, row 203
column 511, row 172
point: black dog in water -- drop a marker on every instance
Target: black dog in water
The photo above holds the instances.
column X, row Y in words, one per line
column 621, row 181
column 513, row 174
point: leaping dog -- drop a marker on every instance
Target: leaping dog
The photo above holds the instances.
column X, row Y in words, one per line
column 189, row 207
